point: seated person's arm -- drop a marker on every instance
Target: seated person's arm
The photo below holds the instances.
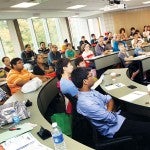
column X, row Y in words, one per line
column 107, row 51
column 110, row 105
column 128, row 59
column 43, row 78
column 21, row 82
column 141, row 53
column 49, row 70
column 2, row 79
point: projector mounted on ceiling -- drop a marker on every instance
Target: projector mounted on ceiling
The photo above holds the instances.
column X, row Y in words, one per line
column 114, row 7
column 112, row 2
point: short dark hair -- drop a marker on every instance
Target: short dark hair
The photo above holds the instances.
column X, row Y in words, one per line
column 132, row 28
column 82, row 37
column 121, row 29
column 78, row 60
column 27, row 45
column 3, row 59
column 42, row 43
column 14, row 61
column 135, row 33
column 65, row 41
column 78, row 75
column 63, row 62
column 92, row 35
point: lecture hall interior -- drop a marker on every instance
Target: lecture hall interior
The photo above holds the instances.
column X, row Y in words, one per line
column 48, row 46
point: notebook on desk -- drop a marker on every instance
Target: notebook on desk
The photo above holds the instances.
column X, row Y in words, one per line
column 9, row 134
column 26, row 142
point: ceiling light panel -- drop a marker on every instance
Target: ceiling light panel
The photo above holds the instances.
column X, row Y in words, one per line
column 24, row 5
column 76, row 6
column 146, row 2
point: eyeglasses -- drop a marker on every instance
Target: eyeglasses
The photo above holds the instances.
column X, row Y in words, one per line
column 55, row 47
column 90, row 75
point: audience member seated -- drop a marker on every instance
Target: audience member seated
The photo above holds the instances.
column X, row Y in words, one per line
column 139, row 34
column 64, row 46
column 132, row 31
column 83, row 41
column 93, row 40
column 99, row 110
column 138, row 50
column 53, row 56
column 116, row 42
column 87, row 53
column 79, row 62
column 63, row 71
column 6, row 61
column 146, row 32
column 41, row 68
column 50, row 46
column 28, row 55
column 135, row 39
column 123, row 35
column 18, row 76
column 70, row 52
column 126, row 59
column 43, row 50
column 101, row 48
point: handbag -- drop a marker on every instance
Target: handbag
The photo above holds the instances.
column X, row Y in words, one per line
column 8, row 110
column 64, row 121
column 31, row 85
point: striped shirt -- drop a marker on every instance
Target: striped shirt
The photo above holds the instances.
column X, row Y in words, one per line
column 14, row 77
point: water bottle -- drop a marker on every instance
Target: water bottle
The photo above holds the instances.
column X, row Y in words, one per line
column 15, row 118
column 58, row 139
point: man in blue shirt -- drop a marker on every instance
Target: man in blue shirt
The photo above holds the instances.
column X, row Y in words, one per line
column 138, row 50
column 98, row 108
column 116, row 43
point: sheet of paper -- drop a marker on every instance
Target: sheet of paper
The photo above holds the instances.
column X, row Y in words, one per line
column 98, row 82
column 133, row 96
column 114, row 86
column 26, row 142
column 9, row 134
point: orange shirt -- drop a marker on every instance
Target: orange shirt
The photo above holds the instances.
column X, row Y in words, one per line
column 14, row 77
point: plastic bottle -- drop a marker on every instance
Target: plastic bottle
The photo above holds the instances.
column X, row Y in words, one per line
column 15, row 118
column 58, row 139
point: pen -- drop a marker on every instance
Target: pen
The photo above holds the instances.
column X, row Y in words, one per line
column 108, row 84
column 12, row 129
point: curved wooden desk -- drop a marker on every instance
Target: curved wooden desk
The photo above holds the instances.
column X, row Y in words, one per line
column 139, row 106
column 39, row 98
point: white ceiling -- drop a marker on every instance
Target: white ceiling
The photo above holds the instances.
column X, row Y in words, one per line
column 57, row 8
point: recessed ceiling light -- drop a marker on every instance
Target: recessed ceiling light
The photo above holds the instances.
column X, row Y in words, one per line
column 24, row 5
column 75, row 16
column 126, row 0
column 76, row 6
column 146, row 2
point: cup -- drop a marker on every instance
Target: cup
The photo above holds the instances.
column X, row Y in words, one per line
column 113, row 75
